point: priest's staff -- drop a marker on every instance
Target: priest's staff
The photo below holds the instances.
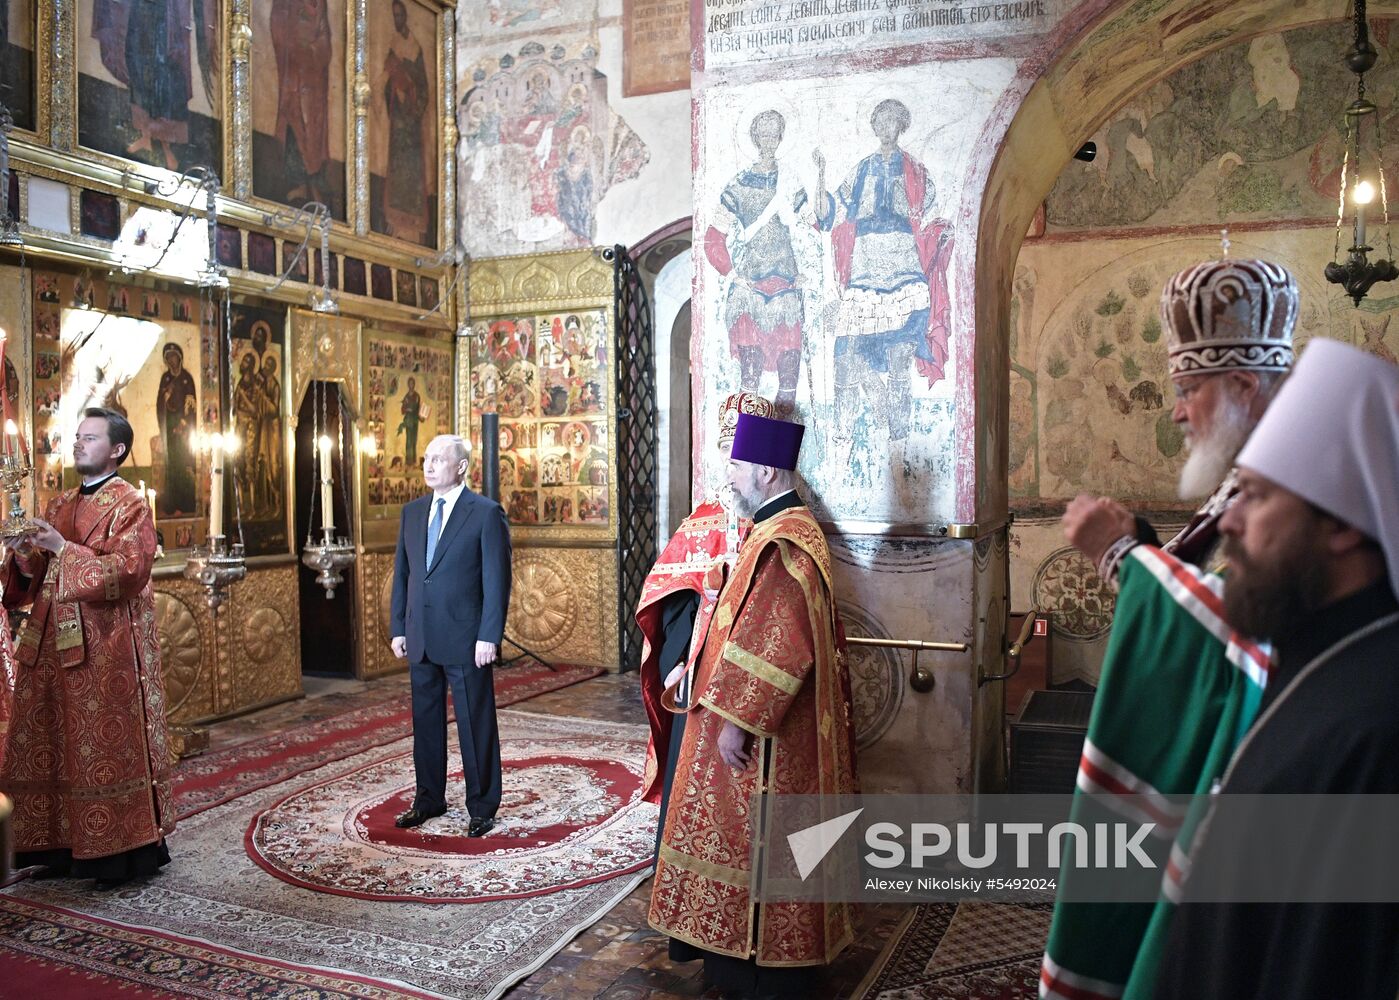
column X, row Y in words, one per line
column 490, row 487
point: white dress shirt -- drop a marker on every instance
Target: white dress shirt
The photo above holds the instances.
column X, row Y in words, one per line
column 451, row 496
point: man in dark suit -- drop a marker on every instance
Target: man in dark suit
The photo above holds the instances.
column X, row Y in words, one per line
column 451, row 588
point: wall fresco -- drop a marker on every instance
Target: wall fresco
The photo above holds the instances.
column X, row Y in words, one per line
column 738, row 32
column 1252, row 132
column 826, row 209
column 540, row 148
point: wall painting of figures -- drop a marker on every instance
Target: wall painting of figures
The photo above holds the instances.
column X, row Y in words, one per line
column 145, row 354
column 298, row 59
column 258, row 383
column 401, row 61
column 408, row 403
column 150, row 80
column 546, row 377
column 540, row 150
column 17, row 60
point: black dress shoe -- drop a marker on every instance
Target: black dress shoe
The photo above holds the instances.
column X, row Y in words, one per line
column 108, row 884
column 417, row 817
column 480, row 826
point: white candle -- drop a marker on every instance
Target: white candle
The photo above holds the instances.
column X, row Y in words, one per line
column 150, row 495
column 216, row 488
column 327, row 495
column 11, row 433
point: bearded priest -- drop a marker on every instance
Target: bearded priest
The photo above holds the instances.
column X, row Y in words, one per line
column 767, row 701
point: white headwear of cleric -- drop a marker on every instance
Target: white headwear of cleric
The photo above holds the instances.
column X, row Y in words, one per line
column 1332, row 437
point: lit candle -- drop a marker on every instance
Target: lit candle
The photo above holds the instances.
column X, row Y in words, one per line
column 327, row 496
column 11, row 431
column 1364, row 194
column 216, row 488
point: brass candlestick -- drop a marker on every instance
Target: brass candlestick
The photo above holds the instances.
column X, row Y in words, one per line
column 14, row 470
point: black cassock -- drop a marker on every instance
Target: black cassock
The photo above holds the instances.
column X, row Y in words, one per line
column 1330, row 730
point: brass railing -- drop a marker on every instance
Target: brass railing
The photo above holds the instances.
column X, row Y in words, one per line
column 920, row 679
column 1026, row 636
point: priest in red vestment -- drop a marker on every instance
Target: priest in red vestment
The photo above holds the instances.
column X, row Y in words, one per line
column 670, row 599
column 767, row 701
column 85, row 756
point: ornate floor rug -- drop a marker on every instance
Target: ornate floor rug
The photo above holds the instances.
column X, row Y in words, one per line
column 966, row 951
column 571, row 815
column 214, row 913
column 224, row 775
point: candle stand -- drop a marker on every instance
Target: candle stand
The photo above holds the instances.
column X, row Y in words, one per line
column 328, row 558
column 216, row 567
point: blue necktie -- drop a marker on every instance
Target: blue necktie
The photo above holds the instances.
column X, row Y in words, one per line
column 434, row 528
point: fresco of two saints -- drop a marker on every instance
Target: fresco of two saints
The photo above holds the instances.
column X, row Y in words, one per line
column 888, row 319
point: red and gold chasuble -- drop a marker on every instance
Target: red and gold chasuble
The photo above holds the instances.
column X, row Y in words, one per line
column 85, row 755
column 770, row 663
column 696, row 546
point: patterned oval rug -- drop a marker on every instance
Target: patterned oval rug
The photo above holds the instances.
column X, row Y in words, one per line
column 570, row 815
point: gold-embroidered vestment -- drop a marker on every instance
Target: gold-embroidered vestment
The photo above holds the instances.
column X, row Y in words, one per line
column 85, row 755
column 769, row 661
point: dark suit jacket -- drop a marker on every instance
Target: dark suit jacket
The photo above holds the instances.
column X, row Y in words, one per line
column 445, row 609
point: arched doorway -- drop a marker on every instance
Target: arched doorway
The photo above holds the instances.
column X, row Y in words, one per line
column 664, row 261
column 1101, row 60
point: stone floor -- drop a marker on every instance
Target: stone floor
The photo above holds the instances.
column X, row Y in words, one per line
column 619, row 957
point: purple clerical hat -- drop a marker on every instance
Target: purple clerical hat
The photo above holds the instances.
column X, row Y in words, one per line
column 764, row 441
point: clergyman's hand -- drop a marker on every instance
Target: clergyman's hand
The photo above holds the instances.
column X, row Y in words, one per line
column 486, row 653
column 733, row 745
column 46, row 536
column 399, row 643
column 673, row 678
column 1092, row 524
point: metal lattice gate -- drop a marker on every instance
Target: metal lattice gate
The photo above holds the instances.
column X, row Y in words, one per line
column 636, row 448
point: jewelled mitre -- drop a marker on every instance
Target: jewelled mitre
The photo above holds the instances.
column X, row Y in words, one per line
column 1230, row 313
column 739, row 402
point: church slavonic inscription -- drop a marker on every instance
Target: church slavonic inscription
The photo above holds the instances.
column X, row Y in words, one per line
column 743, row 31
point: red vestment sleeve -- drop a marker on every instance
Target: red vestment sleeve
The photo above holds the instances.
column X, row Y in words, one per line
column 770, row 649
column 115, row 568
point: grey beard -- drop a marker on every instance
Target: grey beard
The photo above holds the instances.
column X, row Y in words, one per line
column 1211, row 458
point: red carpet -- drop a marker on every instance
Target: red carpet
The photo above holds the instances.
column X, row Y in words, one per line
column 223, row 775
column 213, row 924
column 571, row 816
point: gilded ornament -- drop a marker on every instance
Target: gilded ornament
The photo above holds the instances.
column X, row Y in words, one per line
column 264, row 632
column 544, row 608
column 181, row 649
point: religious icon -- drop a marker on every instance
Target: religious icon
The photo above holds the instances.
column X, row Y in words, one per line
column 403, row 113
column 299, row 140
column 177, row 414
column 150, row 80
